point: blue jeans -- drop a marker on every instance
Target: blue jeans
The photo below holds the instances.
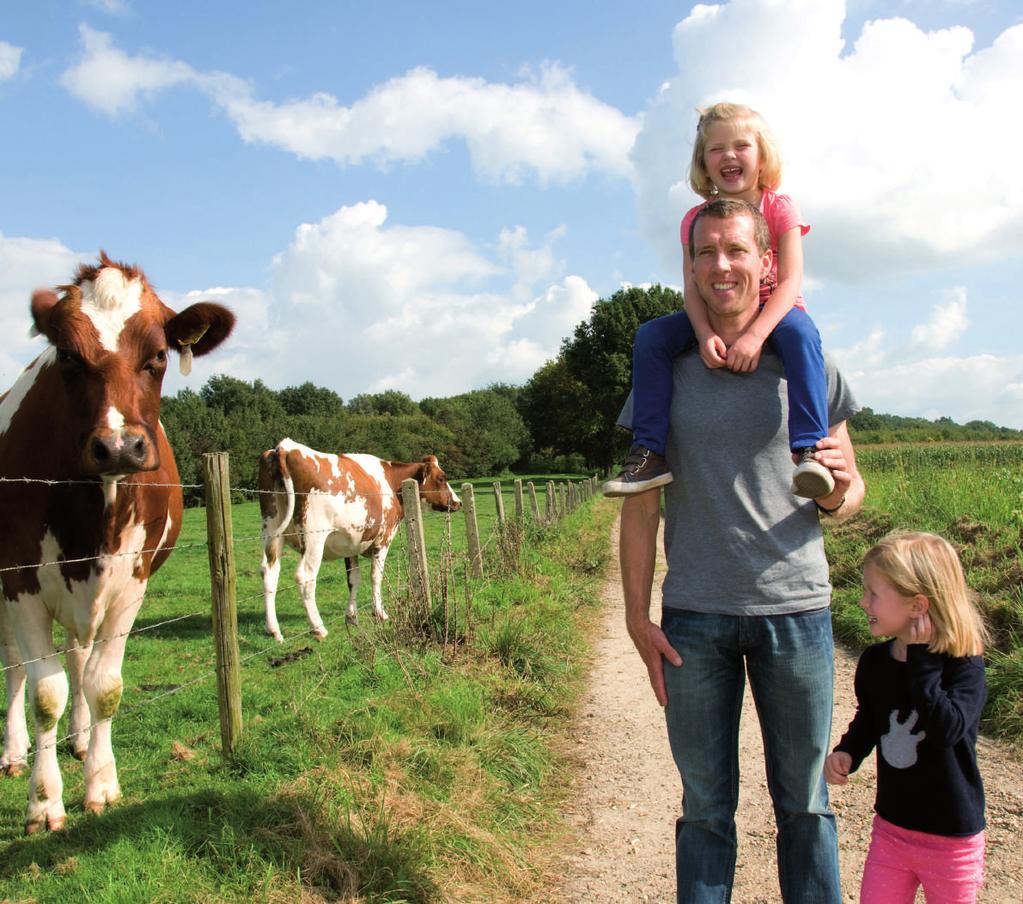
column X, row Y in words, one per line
column 795, row 340
column 789, row 660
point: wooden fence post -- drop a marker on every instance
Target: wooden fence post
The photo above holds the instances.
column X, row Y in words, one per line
column 223, row 588
column 532, row 500
column 563, row 501
column 519, row 509
column 552, row 510
column 472, row 532
column 419, row 572
column 499, row 501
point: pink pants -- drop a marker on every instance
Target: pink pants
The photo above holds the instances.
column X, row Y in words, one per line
column 950, row 869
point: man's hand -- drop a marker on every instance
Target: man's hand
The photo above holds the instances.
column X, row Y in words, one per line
column 744, row 354
column 836, row 453
column 713, row 351
column 836, row 768
column 830, row 453
column 654, row 648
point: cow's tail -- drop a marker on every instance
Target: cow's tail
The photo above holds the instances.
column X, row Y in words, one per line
column 275, row 478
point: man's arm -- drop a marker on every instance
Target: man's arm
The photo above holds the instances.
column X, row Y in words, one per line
column 836, row 453
column 641, row 515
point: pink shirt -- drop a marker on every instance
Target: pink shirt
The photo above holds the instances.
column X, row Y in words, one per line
column 782, row 215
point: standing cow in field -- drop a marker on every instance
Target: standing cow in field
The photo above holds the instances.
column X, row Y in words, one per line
column 86, row 415
column 335, row 507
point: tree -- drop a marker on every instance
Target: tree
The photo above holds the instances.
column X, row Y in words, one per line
column 557, row 409
column 388, row 402
column 310, row 399
column 193, row 429
column 231, row 395
column 488, row 430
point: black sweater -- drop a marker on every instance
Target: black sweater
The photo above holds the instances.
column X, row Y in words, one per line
column 922, row 715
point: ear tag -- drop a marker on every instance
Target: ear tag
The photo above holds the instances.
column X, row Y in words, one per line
column 186, row 348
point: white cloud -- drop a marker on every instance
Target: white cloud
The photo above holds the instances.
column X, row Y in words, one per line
column 113, row 81
column 10, row 60
column 544, row 125
column 881, row 140
column 114, row 7
column 947, row 323
column 359, row 304
column 245, row 354
column 978, row 387
column 868, row 352
column 27, row 264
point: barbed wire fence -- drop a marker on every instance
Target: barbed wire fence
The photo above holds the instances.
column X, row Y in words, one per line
column 414, row 582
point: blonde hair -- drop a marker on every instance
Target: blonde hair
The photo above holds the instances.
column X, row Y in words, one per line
column 915, row 562
column 768, row 154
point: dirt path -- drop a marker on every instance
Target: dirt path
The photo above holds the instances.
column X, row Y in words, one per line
column 628, row 792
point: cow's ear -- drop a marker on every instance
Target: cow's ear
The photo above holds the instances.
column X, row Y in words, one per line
column 43, row 301
column 198, row 329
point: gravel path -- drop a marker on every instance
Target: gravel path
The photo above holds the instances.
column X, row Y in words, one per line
column 628, row 792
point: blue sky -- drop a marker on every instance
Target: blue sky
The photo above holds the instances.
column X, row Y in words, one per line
column 429, row 197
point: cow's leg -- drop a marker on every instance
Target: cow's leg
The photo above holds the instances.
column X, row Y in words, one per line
column 377, row 579
column 80, row 715
column 14, row 758
column 47, row 694
column 305, row 577
column 103, row 687
column 271, row 571
column 352, row 572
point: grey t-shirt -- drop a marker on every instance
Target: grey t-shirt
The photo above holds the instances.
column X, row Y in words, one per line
column 737, row 541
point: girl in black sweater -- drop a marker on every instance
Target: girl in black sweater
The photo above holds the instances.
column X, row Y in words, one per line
column 919, row 698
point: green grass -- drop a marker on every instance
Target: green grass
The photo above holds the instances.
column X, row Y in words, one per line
column 386, row 763
column 973, row 495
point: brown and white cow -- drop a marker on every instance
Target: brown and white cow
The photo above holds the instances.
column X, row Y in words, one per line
column 335, row 507
column 86, row 413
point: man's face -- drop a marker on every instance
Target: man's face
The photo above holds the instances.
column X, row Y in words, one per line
column 727, row 265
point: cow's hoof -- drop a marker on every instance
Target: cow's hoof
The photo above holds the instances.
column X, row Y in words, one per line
column 14, row 769
column 276, row 635
column 48, row 823
column 319, row 633
column 78, row 747
column 381, row 615
column 351, row 618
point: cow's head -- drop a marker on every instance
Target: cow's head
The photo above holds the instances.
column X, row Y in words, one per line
column 112, row 336
column 434, row 489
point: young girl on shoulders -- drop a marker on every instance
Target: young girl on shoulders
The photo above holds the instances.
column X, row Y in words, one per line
column 919, row 697
column 734, row 156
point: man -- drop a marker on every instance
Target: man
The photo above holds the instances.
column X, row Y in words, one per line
column 746, row 589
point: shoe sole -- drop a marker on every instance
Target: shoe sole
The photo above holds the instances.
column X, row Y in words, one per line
column 615, row 488
column 811, row 485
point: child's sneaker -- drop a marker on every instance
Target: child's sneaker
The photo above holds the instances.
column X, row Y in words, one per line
column 644, row 470
column 811, row 479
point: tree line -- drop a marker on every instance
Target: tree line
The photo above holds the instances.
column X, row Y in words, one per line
column 561, row 420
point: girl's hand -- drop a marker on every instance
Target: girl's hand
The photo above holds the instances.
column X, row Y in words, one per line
column 713, row 351
column 744, row 355
column 920, row 629
column 836, row 768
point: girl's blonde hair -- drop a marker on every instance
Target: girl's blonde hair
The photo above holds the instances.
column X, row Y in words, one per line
column 768, row 153
column 914, row 562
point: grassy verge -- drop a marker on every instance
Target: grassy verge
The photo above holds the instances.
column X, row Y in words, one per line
column 414, row 761
column 973, row 495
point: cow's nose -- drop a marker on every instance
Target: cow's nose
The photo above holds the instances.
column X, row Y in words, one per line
column 119, row 452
